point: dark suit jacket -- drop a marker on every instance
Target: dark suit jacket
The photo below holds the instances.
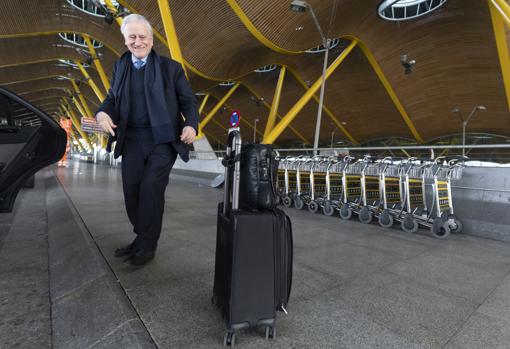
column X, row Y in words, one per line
column 168, row 94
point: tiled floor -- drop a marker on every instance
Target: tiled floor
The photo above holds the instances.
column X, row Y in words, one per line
column 355, row 285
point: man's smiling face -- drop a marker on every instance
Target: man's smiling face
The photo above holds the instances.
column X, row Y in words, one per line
column 138, row 39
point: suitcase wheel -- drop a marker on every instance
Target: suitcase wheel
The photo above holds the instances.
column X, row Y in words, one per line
column 270, row 332
column 229, row 339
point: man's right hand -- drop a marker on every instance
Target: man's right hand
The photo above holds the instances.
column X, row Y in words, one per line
column 105, row 121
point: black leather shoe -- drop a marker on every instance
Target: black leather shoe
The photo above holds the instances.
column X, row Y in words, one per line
column 139, row 258
column 126, row 250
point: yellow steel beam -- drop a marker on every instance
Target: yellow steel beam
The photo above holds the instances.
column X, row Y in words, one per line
column 69, row 111
column 292, row 113
column 501, row 43
column 292, row 128
column 91, row 82
column 390, row 91
column 171, row 34
column 271, row 119
column 112, row 8
column 202, row 105
column 503, row 8
column 84, row 103
column 215, row 109
column 328, row 111
column 79, row 107
column 255, row 32
column 97, row 63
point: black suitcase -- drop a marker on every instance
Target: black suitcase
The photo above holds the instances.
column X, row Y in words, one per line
column 253, row 268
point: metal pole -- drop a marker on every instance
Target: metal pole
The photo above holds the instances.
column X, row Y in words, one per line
column 325, row 43
column 255, row 130
column 332, row 136
column 464, row 125
column 321, row 100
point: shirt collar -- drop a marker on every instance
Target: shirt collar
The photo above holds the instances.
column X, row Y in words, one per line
column 134, row 59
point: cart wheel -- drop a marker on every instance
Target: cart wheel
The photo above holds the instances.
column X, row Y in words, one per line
column 345, row 212
column 440, row 229
column 313, row 207
column 455, row 226
column 270, row 332
column 365, row 215
column 298, row 203
column 328, row 209
column 409, row 224
column 229, row 339
column 446, row 215
column 287, row 201
column 385, row 219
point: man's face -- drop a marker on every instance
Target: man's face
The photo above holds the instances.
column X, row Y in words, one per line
column 138, row 39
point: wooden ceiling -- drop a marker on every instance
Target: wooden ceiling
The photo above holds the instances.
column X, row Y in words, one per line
column 221, row 40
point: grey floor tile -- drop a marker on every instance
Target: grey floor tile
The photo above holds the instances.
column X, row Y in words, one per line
column 482, row 332
column 497, row 304
column 463, row 275
column 418, row 312
column 344, row 260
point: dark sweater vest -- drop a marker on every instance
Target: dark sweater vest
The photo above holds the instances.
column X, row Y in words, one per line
column 138, row 115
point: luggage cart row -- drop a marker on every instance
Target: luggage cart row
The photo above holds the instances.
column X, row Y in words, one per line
column 412, row 192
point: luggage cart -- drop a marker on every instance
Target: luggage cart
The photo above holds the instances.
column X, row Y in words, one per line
column 391, row 193
column 318, row 190
column 351, row 187
column 333, row 200
column 443, row 202
column 290, row 178
column 303, row 184
column 416, row 210
column 370, row 190
column 455, row 168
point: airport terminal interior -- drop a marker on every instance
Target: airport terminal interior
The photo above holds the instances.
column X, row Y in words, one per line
column 390, row 124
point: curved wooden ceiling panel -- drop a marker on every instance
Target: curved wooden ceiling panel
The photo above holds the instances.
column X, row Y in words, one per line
column 457, row 60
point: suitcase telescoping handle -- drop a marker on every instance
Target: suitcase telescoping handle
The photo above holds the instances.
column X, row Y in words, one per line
column 232, row 159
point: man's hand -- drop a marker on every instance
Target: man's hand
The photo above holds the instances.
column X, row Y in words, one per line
column 105, row 121
column 188, row 134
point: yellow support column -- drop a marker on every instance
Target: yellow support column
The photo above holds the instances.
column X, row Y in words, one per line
column 84, row 103
column 292, row 113
column 271, row 119
column 91, row 82
column 171, row 34
column 391, row 92
column 97, row 63
column 215, row 109
column 503, row 8
column 79, row 107
column 112, row 8
column 501, row 43
column 202, row 105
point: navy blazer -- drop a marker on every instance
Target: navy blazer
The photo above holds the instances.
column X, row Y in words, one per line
column 168, row 95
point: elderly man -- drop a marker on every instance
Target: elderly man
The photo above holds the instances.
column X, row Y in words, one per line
column 142, row 112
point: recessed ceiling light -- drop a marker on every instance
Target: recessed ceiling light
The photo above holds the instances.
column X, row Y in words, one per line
column 300, row 28
column 343, row 123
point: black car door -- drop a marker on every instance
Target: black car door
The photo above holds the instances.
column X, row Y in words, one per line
column 29, row 141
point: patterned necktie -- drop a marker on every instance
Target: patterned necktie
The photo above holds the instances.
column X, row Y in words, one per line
column 138, row 63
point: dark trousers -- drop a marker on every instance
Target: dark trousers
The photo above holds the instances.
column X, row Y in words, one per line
column 145, row 172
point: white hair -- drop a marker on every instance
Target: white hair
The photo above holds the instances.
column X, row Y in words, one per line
column 135, row 18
